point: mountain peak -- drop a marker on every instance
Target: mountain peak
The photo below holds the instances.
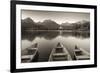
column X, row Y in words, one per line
column 82, row 22
column 65, row 24
column 28, row 20
column 48, row 20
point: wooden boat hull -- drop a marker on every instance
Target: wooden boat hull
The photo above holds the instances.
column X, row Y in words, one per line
column 31, row 55
column 81, row 54
column 59, row 54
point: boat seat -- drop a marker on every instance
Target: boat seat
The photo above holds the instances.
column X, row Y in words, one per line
column 30, row 51
column 84, row 57
column 59, row 56
column 59, row 50
column 26, row 58
column 78, row 53
column 60, row 59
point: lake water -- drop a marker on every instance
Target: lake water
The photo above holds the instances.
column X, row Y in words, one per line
column 47, row 40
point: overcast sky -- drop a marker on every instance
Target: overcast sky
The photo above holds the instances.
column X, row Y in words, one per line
column 59, row 17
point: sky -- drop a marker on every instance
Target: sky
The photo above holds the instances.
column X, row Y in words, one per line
column 59, row 17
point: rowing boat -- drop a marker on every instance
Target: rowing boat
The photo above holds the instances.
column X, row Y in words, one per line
column 81, row 54
column 59, row 53
column 31, row 54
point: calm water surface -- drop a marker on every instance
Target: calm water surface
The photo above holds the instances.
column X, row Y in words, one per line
column 47, row 40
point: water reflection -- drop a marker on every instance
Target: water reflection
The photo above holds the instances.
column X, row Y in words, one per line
column 47, row 40
column 49, row 35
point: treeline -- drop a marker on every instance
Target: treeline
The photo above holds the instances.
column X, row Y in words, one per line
column 29, row 24
column 82, row 26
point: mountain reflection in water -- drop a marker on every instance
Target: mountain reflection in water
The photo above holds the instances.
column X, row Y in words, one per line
column 31, row 35
column 47, row 40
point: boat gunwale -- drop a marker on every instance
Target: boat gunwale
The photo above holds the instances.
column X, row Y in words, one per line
column 65, row 51
column 84, row 53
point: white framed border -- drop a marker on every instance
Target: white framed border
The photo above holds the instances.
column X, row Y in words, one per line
column 20, row 65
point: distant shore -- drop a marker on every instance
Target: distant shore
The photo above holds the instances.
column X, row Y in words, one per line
column 61, row 30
